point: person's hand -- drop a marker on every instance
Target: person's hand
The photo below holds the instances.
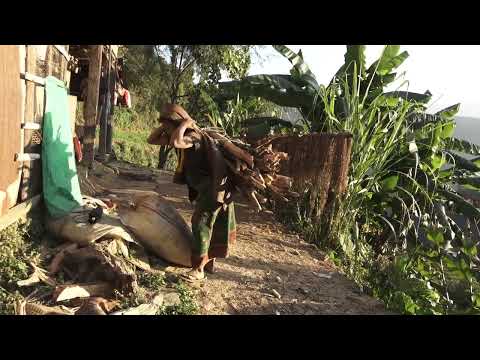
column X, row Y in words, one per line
column 158, row 137
column 178, row 140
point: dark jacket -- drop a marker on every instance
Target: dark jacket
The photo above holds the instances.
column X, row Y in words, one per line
column 205, row 170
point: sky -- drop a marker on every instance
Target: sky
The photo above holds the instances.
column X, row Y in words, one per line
column 450, row 72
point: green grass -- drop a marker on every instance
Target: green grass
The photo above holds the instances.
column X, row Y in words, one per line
column 20, row 243
column 24, row 242
column 155, row 282
column 134, row 136
column 130, row 133
column 136, row 153
column 149, row 283
column 188, row 305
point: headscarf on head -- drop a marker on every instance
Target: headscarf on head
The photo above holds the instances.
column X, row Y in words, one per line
column 176, row 114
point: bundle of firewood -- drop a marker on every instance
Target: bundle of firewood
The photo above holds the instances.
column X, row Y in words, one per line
column 254, row 169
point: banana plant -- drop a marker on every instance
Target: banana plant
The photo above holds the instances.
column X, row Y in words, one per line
column 240, row 117
column 300, row 89
column 431, row 133
column 404, row 161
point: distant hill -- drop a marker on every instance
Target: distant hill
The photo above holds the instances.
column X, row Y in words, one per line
column 468, row 128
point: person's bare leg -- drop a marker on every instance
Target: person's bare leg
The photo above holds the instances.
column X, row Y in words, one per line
column 198, row 264
column 202, row 227
column 210, row 266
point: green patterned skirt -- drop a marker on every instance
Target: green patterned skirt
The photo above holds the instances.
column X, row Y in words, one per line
column 214, row 227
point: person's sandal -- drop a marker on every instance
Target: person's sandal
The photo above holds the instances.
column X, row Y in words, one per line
column 210, row 266
column 194, row 275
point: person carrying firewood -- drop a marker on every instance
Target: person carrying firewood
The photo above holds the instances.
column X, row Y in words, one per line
column 202, row 168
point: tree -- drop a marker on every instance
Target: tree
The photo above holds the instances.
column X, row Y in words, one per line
column 179, row 74
column 203, row 62
column 148, row 77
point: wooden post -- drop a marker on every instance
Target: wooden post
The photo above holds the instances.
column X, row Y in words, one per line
column 94, row 71
column 105, row 142
column 26, row 190
column 112, row 86
column 66, row 74
column 102, row 142
column 72, row 103
column 48, row 61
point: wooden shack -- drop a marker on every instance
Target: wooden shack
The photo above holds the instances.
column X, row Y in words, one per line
column 23, row 69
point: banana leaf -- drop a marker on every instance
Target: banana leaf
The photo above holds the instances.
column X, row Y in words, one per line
column 280, row 89
column 279, row 82
column 259, row 131
column 462, row 163
column 355, row 54
column 449, row 112
column 463, row 205
column 379, row 74
column 389, row 60
column 300, row 71
column 376, row 85
column 297, row 61
column 271, row 121
column 410, row 96
column 469, row 193
column 469, row 180
column 419, row 120
column 463, row 146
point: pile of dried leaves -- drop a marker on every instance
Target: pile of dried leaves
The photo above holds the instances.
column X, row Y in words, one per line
column 110, row 277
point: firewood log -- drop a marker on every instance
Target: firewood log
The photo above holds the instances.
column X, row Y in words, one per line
column 233, row 149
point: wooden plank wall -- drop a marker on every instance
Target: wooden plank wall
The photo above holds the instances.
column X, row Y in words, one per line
column 10, row 123
column 23, row 101
column 41, row 61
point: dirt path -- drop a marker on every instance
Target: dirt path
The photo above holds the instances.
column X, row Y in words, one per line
column 270, row 271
